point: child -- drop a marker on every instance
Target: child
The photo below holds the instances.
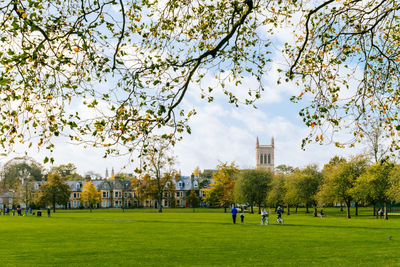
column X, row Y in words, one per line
column 242, row 218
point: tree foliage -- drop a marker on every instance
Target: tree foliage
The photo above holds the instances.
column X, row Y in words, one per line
column 54, row 191
column 89, row 195
column 128, row 65
column 252, row 186
column 347, row 57
column 221, row 192
column 159, row 163
column 67, row 172
column 308, row 182
column 18, row 169
column 340, row 179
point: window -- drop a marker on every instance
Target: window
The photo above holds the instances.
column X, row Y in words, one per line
column 126, row 194
column 74, row 195
column 261, row 159
column 104, row 194
column 180, row 184
column 269, row 158
column 116, row 194
column 77, row 186
column 195, row 184
column 177, row 194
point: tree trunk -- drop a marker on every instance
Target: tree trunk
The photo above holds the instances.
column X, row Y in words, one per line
column 307, row 208
column 90, row 208
column 160, row 202
column 374, row 210
column 341, row 207
column 54, row 204
column 259, row 208
column 296, row 208
column 251, row 209
column 224, row 209
column 356, row 209
column 288, row 209
column 348, row 203
column 315, row 211
column 386, row 211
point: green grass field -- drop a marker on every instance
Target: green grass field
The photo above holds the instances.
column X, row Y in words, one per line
column 205, row 238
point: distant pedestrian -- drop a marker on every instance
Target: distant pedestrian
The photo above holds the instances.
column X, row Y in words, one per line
column 13, row 212
column 48, row 211
column 234, row 213
column 242, row 218
column 380, row 212
column 26, row 212
column 30, row 211
column 264, row 217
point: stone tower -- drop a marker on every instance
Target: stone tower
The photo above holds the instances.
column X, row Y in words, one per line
column 265, row 155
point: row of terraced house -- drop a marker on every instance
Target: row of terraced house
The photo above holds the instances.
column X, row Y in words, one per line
column 120, row 193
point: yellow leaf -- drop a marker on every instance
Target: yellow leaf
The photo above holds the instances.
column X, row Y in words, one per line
column 24, row 15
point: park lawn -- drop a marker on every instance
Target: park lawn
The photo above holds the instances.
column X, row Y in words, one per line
column 204, row 238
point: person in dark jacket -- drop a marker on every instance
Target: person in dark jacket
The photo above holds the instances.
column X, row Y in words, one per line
column 234, row 213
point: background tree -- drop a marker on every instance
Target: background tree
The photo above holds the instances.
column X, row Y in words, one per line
column 221, row 192
column 159, row 165
column 275, row 196
column 394, row 191
column 291, row 196
column 252, row 186
column 340, row 179
column 89, row 195
column 307, row 185
column 193, row 199
column 18, row 169
column 67, row 172
column 54, row 191
column 375, row 183
column 24, row 193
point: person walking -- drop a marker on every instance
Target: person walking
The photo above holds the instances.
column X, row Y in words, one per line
column 48, row 211
column 242, row 217
column 234, row 213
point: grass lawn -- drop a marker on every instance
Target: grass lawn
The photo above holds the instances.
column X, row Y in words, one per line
column 204, row 238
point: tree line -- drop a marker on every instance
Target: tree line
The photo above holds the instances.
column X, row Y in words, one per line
column 349, row 182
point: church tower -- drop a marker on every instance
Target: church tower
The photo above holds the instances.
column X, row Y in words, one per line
column 265, row 157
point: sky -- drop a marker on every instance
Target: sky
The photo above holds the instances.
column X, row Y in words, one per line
column 221, row 132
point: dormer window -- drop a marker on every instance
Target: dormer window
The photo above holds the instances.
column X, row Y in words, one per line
column 78, row 186
column 195, row 184
column 167, row 184
column 180, row 184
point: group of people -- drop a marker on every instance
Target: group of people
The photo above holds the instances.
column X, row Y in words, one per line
column 264, row 216
column 18, row 210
